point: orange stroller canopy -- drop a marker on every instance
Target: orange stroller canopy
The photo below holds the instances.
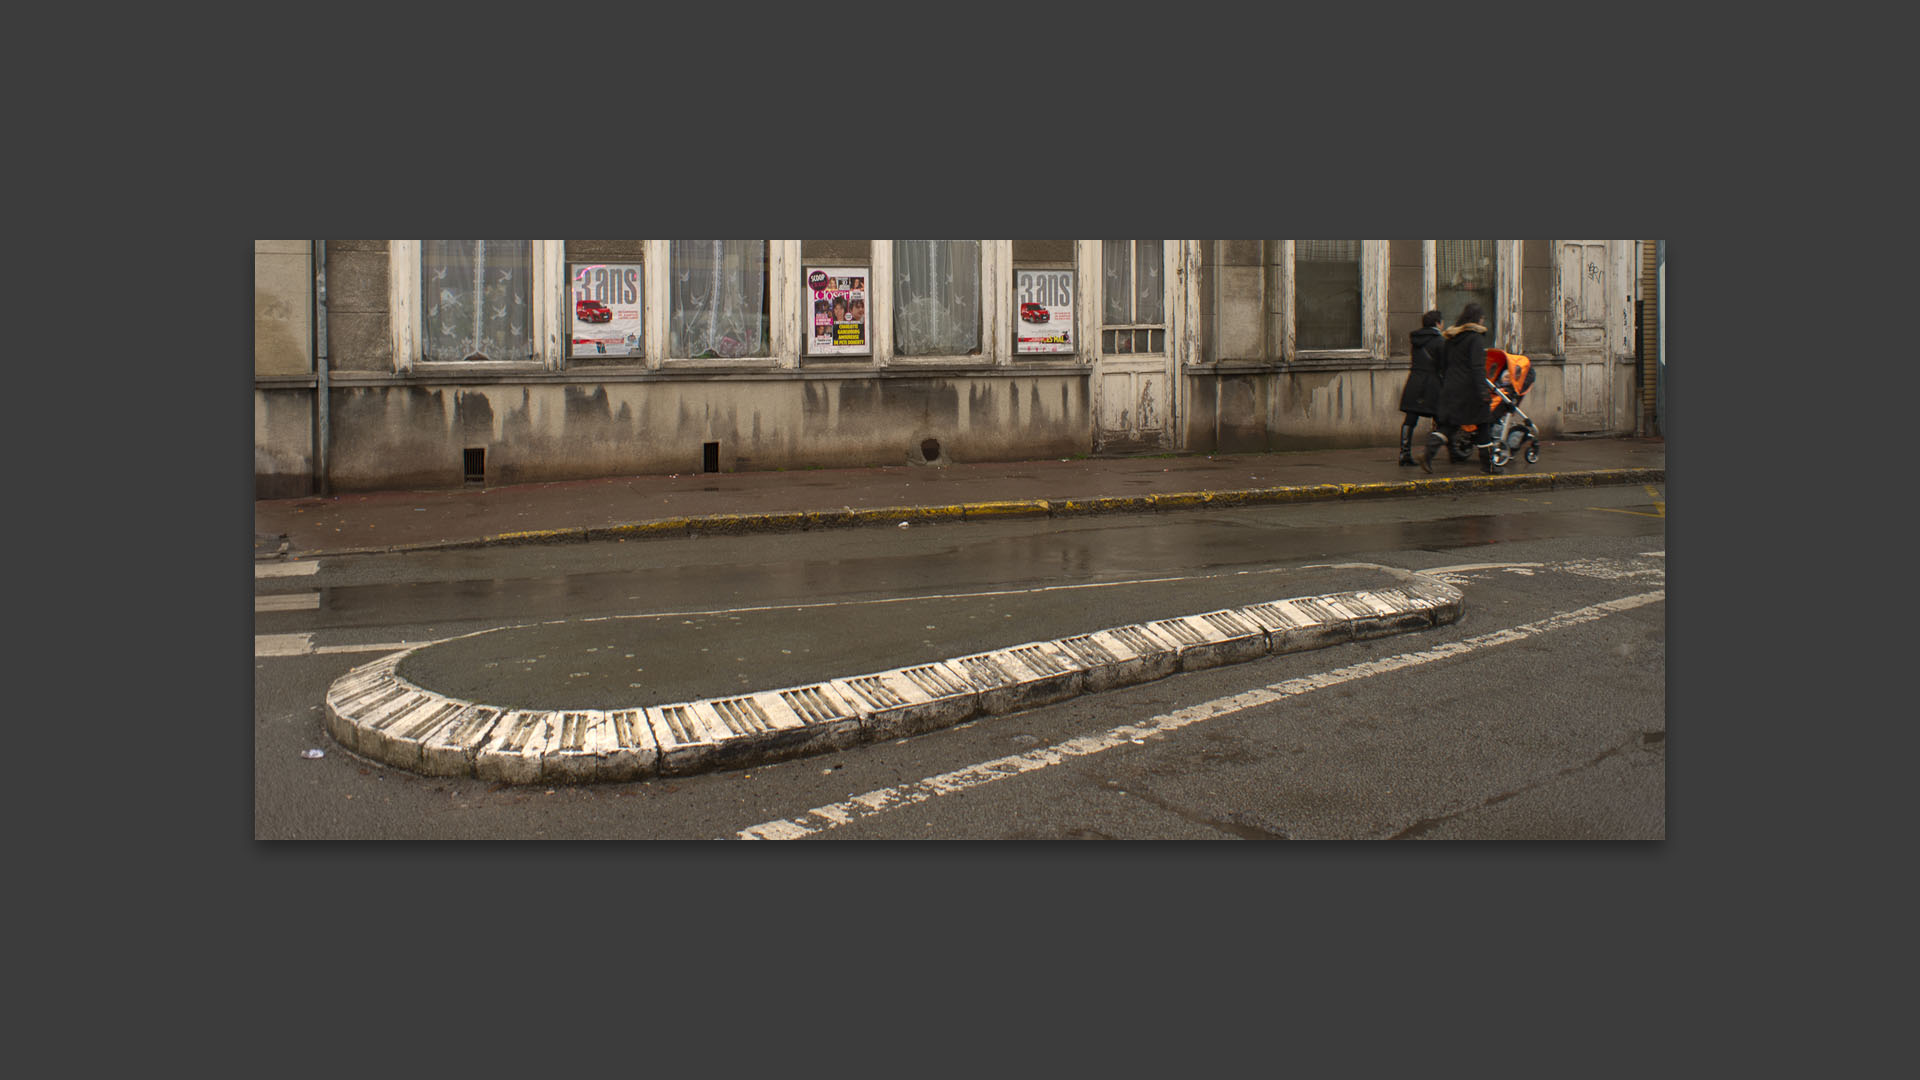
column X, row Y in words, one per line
column 1520, row 377
column 1520, row 371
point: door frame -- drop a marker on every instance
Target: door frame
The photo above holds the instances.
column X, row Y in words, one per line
column 1615, row 331
column 1179, row 274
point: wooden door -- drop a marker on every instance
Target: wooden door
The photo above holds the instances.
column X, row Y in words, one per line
column 1586, row 293
column 1134, row 351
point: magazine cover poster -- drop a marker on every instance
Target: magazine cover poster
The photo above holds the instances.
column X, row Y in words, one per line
column 606, row 309
column 1044, row 299
column 837, row 310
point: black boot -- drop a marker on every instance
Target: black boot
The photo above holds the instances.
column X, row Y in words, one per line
column 1406, row 444
column 1434, row 442
column 1455, row 453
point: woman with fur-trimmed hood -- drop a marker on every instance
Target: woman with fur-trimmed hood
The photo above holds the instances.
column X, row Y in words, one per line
column 1464, row 393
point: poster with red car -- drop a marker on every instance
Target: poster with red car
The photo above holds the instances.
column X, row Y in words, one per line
column 606, row 309
column 1044, row 301
column 836, row 310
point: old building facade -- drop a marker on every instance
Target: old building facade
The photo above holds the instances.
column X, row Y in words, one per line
column 382, row 364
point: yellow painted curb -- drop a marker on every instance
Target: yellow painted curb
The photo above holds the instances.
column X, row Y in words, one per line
column 1104, row 504
column 540, row 536
column 1005, row 508
column 1180, row 500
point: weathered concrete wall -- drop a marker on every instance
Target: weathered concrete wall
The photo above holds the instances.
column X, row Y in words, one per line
column 282, row 321
column 536, row 426
column 1241, row 277
column 282, row 443
column 359, row 337
column 1252, row 412
column 416, row 435
column 597, row 251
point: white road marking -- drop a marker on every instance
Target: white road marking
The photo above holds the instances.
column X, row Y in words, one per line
column 284, row 569
column 883, row 800
column 287, row 602
column 282, row 644
column 379, row 646
column 302, row 645
column 1465, row 567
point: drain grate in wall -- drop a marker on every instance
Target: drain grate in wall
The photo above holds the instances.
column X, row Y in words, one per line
column 476, row 464
column 1087, row 651
column 743, row 716
column 812, row 704
column 875, row 693
column 680, row 725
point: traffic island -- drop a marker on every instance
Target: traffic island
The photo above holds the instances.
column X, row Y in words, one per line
column 377, row 713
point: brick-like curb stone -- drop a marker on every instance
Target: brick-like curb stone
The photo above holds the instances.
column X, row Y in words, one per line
column 376, row 714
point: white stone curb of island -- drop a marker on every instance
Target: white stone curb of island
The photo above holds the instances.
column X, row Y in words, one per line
column 376, row 714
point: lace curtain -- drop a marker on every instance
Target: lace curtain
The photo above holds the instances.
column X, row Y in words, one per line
column 936, row 297
column 1132, row 291
column 718, row 298
column 477, row 299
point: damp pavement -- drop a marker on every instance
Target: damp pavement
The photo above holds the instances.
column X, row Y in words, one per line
column 681, row 504
column 401, row 711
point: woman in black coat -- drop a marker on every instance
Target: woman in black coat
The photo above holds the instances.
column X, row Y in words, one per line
column 1464, row 393
column 1421, row 397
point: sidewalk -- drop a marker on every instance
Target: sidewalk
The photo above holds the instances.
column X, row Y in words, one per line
column 632, row 507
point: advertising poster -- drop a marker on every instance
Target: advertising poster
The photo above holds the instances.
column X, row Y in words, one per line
column 1044, row 299
column 606, row 309
column 836, row 310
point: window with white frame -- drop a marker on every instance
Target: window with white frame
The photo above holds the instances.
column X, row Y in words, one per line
column 476, row 300
column 1327, row 294
column 1133, row 305
column 718, row 299
column 1328, row 299
column 936, row 297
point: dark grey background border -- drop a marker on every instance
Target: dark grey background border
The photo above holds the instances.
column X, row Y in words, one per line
column 1233, row 937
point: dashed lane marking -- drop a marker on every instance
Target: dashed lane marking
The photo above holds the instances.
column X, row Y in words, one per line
column 285, row 569
column 884, row 800
column 308, row 601
column 282, row 644
column 302, row 645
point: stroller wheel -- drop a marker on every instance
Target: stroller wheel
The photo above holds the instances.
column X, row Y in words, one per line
column 1500, row 456
column 1533, row 453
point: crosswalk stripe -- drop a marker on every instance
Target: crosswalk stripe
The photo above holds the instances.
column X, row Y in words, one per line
column 287, row 602
column 302, row 645
column 285, row 569
column 282, row 644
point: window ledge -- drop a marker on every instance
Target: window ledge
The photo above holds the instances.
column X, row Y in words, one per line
column 1333, row 354
column 1356, row 360
column 1233, row 366
column 722, row 365
column 474, row 367
column 949, row 363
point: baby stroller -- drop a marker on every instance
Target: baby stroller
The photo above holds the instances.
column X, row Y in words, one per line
column 1512, row 432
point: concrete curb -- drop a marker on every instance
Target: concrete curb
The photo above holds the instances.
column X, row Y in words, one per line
column 375, row 713
column 807, row 520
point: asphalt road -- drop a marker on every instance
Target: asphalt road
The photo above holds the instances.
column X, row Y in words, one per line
column 1541, row 714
